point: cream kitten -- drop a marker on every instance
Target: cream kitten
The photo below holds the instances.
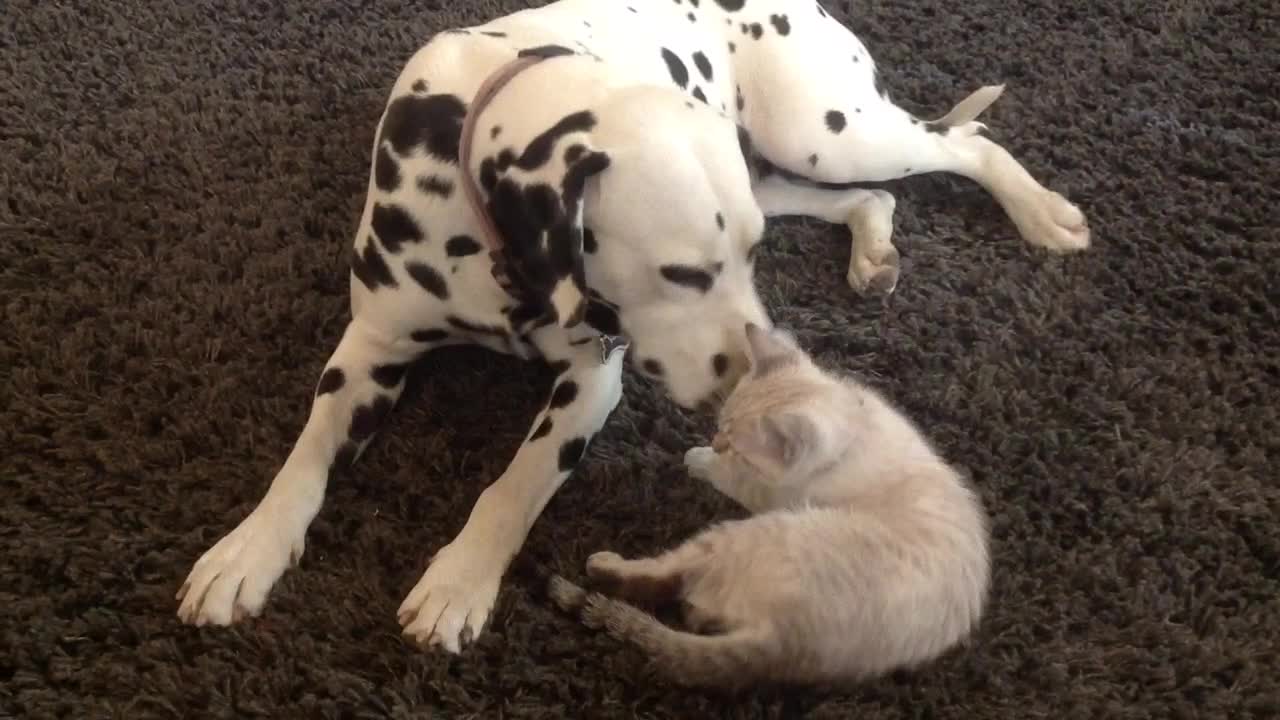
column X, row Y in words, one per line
column 867, row 552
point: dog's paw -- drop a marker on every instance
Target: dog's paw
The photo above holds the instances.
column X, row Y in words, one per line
column 232, row 579
column 1050, row 221
column 699, row 460
column 450, row 605
column 874, row 276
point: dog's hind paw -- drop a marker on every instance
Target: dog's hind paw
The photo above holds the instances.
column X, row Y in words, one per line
column 1050, row 221
column 874, row 277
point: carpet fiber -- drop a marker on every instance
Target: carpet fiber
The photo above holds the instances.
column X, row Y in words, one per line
column 180, row 183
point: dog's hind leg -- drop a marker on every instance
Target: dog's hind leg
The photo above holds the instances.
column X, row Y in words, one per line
column 361, row 382
column 873, row 261
column 828, row 126
column 450, row 605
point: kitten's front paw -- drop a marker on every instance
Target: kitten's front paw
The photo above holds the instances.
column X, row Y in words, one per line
column 699, row 460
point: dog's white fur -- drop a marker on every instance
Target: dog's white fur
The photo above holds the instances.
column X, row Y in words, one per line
column 674, row 164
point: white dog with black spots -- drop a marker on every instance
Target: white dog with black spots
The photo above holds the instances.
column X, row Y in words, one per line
column 629, row 173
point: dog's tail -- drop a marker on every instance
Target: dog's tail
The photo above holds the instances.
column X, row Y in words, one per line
column 729, row 661
column 968, row 109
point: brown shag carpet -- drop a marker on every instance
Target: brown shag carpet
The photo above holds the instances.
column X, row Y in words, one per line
column 180, row 183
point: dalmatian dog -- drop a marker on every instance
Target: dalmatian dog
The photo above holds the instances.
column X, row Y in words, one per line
column 605, row 200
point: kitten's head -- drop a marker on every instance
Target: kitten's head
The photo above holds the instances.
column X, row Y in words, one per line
column 783, row 420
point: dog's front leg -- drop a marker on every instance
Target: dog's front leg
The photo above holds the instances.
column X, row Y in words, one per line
column 361, row 382
column 450, row 605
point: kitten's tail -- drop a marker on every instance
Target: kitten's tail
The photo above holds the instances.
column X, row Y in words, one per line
column 729, row 661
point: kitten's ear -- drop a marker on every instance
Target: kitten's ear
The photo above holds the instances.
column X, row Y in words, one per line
column 769, row 349
column 782, row 440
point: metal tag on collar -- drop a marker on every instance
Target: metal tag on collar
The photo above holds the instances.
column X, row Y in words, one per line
column 609, row 344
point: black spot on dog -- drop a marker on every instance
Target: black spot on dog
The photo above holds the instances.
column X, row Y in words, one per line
column 461, row 246
column 781, row 24
column 687, row 276
column 741, row 101
column 366, row 419
column 720, row 220
column 813, row 160
column 433, row 122
column 589, row 244
column 331, row 381
column 386, row 171
column 429, row 278
column 429, row 335
column 435, row 185
column 675, row 66
column 395, row 227
column 692, row 18
column 538, row 151
column 731, row 5
column 575, row 179
column 370, row 269
column 419, row 86
column 495, row 132
column 493, row 33
column 488, row 174
column 541, row 431
column 542, row 204
column 545, row 51
column 936, row 127
column 757, row 30
column 586, row 24
column 836, row 121
column 478, row 329
column 720, row 364
column 856, row 58
column 602, row 318
column 732, row 47
column 388, row 376
column 698, row 94
column 653, row 367
column 571, row 453
column 574, row 152
column 564, row 394
column 631, row 8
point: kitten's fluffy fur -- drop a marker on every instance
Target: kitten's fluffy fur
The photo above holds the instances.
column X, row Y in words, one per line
column 867, row 553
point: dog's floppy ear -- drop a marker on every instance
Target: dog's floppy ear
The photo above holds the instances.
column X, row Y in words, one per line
column 542, row 231
column 568, row 297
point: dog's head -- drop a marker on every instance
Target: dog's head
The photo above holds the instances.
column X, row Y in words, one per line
column 635, row 217
column 670, row 254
